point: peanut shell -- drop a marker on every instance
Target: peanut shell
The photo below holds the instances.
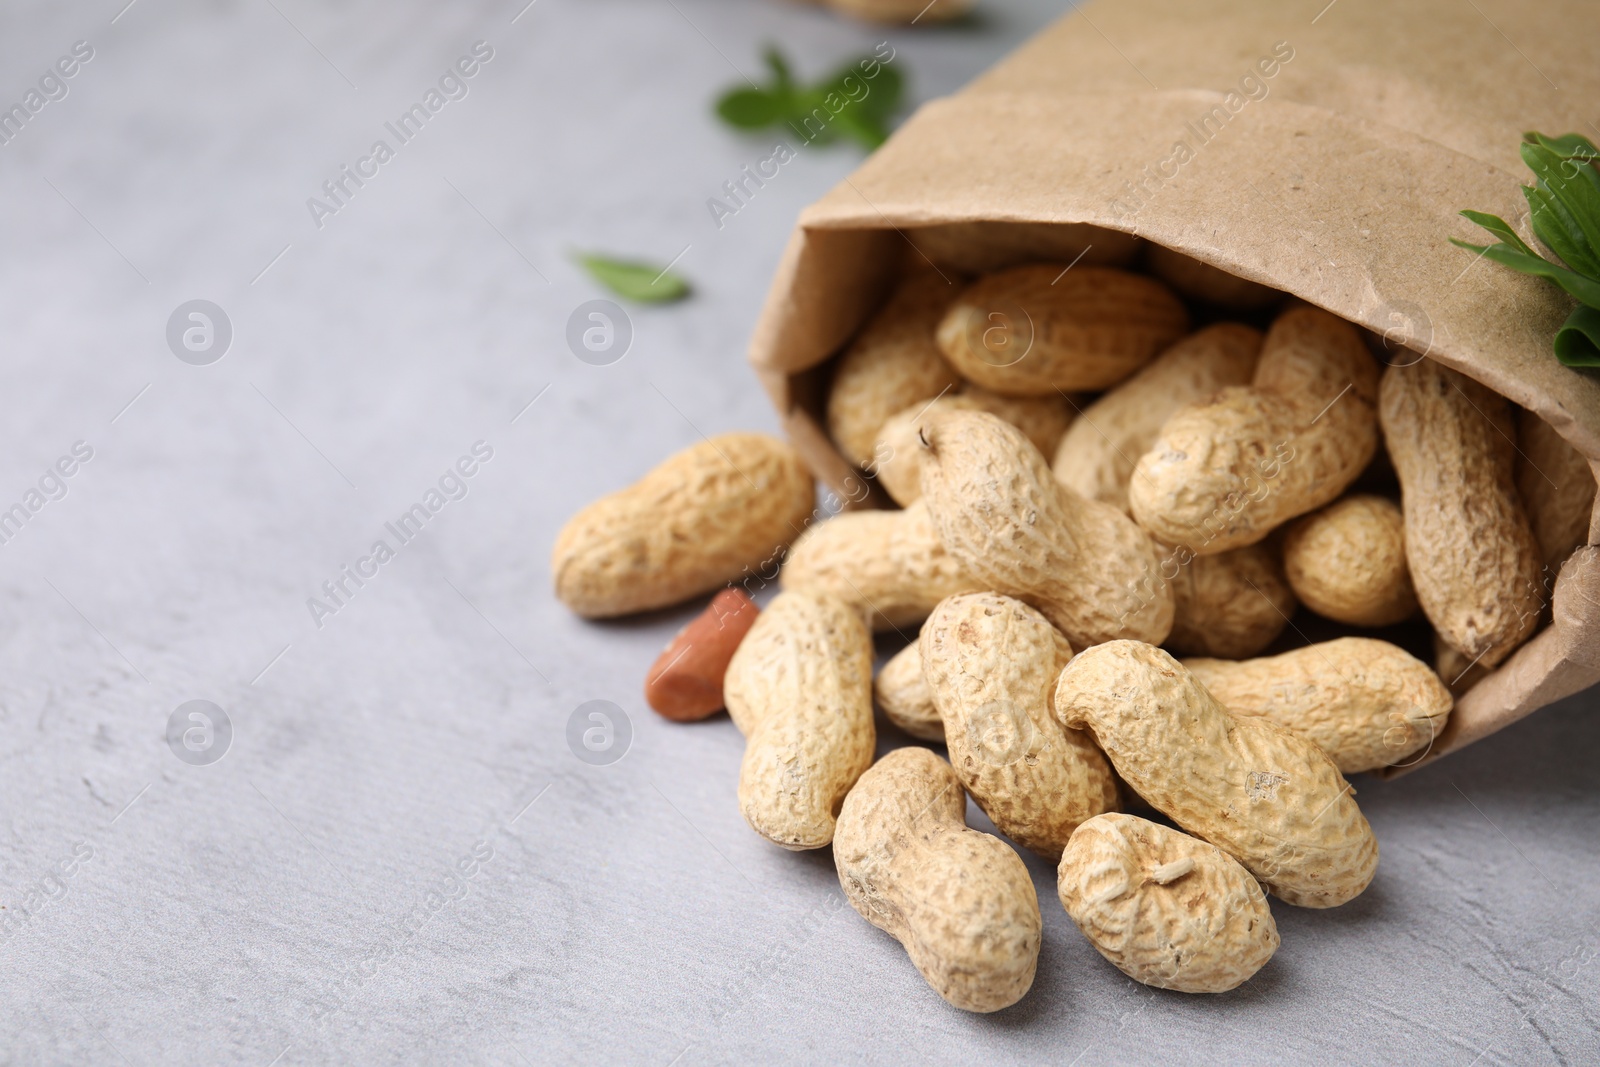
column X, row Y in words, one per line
column 1364, row 702
column 1557, row 488
column 800, row 690
column 905, row 698
column 697, row 521
column 959, row 900
column 1225, row 472
column 1347, row 562
column 892, row 363
column 888, row 565
column 1000, row 512
column 1233, row 604
column 1045, row 328
column 1097, row 454
column 991, row 663
column 1211, row 285
column 1165, row 908
column 1268, row 797
column 1470, row 550
column 1042, row 419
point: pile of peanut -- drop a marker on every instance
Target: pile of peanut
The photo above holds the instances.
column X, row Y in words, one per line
column 1090, row 486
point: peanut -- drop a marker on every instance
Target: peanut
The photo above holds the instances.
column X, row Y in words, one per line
column 1557, row 488
column 1471, row 552
column 905, row 698
column 1455, row 670
column 1041, row 329
column 800, row 690
column 891, row 364
column 1347, row 562
column 1233, row 604
column 1004, row 517
column 1223, row 473
column 987, row 246
column 1042, row 419
column 991, row 663
column 1266, row 796
column 1364, row 702
column 686, row 681
column 1166, row 909
column 1096, row 456
column 960, row 901
column 888, row 565
column 1211, row 285
column 693, row 523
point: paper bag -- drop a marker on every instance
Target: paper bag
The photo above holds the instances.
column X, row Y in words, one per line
column 1325, row 153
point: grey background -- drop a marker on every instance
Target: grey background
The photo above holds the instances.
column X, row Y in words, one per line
column 613, row 913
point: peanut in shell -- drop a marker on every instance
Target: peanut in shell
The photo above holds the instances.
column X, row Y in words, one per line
column 1004, row 517
column 888, row 565
column 1097, row 454
column 697, row 521
column 1268, row 797
column 1042, row 329
column 1347, row 562
column 1166, row 909
column 800, row 690
column 960, row 901
column 1469, row 547
column 991, row 663
column 1365, row 702
column 1225, row 472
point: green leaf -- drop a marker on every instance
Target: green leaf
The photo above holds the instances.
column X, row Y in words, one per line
column 1573, row 145
column 750, row 109
column 783, row 81
column 861, row 106
column 1579, row 199
column 1587, row 290
column 1559, row 231
column 1497, row 226
column 1577, row 343
column 634, row 280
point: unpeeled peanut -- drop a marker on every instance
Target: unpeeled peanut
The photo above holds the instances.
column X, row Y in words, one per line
column 1347, row 562
column 1212, row 285
column 991, row 664
column 1268, row 797
column 1097, row 454
column 1224, row 473
column 1043, row 419
column 1043, row 329
column 960, row 901
column 1366, row 703
column 1004, row 517
column 1165, row 908
column 693, row 523
column 1470, row 550
column 905, row 698
column 1233, row 604
column 1557, row 488
column 892, row 363
column 888, row 565
column 800, row 690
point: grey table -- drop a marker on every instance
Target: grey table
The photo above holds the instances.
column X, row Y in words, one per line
column 400, row 858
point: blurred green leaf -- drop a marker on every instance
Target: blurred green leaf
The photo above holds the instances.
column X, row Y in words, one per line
column 846, row 104
column 644, row 283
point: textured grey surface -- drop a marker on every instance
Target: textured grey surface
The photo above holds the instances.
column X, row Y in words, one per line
column 294, row 900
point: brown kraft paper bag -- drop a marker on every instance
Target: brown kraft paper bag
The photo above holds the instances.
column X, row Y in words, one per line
column 1336, row 178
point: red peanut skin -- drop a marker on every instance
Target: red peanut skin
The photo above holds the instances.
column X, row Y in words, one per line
column 685, row 682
